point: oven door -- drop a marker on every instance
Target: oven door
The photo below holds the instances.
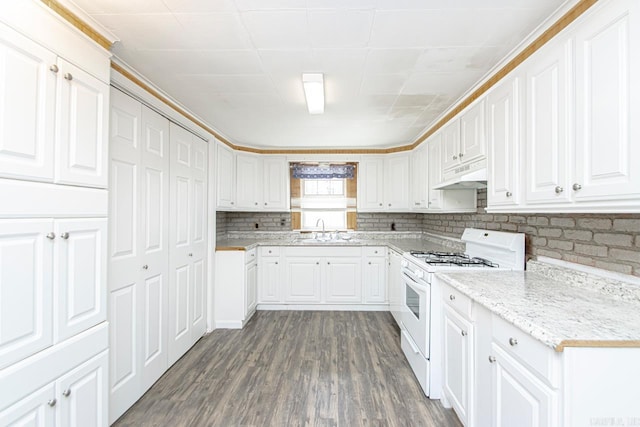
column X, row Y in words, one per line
column 415, row 312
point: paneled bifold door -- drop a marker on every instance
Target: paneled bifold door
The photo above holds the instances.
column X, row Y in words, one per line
column 155, row 201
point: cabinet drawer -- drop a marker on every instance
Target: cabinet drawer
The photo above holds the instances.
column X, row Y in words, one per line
column 371, row 251
column 458, row 301
column 250, row 256
column 270, row 251
column 542, row 360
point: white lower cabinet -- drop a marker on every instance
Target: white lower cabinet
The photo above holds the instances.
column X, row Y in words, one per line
column 342, row 279
column 251, row 296
column 236, row 288
column 458, row 363
column 395, row 287
column 374, row 275
column 302, row 279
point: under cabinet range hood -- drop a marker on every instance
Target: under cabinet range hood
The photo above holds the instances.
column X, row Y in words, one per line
column 469, row 176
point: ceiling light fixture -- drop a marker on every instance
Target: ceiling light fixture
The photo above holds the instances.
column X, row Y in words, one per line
column 314, row 92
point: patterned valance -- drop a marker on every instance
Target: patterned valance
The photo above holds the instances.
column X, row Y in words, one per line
column 302, row 171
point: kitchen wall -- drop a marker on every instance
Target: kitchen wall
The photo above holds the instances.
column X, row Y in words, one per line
column 607, row 241
column 385, row 222
column 246, row 221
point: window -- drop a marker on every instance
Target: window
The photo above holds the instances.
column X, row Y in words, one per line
column 323, row 199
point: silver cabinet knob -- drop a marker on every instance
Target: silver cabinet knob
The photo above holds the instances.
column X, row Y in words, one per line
column 51, row 235
column 380, row 204
column 52, row 402
column 389, row 204
column 464, row 333
column 509, row 194
column 256, row 203
column 54, row 68
column 513, row 341
column 232, row 203
column 265, row 203
column 65, row 235
column 67, row 392
column 577, row 187
column 190, row 254
column 68, row 76
column 452, row 297
column 276, row 262
column 492, row 359
column 375, row 252
column 369, row 262
column 317, row 262
column 460, row 155
column 559, row 189
column 269, row 251
column 145, row 267
column 417, row 203
column 328, row 263
column 455, row 157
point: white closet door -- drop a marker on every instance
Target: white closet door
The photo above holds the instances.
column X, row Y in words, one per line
column 82, row 271
column 26, row 272
column 81, row 128
column 125, row 264
column 198, row 253
column 27, row 107
column 181, row 212
column 154, row 246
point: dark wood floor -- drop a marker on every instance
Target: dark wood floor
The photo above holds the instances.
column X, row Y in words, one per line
column 293, row 368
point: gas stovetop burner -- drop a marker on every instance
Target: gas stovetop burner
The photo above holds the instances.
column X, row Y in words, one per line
column 457, row 259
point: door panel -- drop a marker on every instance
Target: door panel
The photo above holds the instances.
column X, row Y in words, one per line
column 32, row 411
column 82, row 274
column 26, row 283
column 154, row 353
column 27, row 107
column 371, row 184
column 374, row 282
column 302, row 281
column 270, row 279
column 472, row 133
column 343, row 281
column 451, row 145
column 123, row 345
column 82, row 127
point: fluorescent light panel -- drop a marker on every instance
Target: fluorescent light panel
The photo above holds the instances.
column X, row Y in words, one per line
column 314, row 92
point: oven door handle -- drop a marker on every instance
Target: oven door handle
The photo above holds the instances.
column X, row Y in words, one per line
column 415, row 285
column 410, row 341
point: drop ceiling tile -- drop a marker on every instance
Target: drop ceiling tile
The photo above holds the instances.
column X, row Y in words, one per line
column 421, row 101
column 200, row 6
column 93, row 7
column 382, row 84
column 214, row 31
column 277, row 30
column 448, row 84
column 340, row 29
column 152, row 31
column 208, row 83
column 341, row 4
column 341, row 61
column 245, row 5
column 200, row 61
column 289, row 61
column 391, row 61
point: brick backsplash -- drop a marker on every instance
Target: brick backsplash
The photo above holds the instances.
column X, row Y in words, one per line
column 221, row 225
column 385, row 221
column 246, row 221
column 607, row 241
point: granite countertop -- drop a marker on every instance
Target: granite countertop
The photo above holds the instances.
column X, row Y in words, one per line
column 554, row 309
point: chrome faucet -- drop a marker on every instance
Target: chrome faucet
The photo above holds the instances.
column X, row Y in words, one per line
column 318, row 222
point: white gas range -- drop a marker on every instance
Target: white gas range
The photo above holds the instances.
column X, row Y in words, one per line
column 421, row 310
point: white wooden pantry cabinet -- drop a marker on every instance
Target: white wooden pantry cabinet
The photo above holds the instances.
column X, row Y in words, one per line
column 564, row 120
column 158, row 247
column 53, row 221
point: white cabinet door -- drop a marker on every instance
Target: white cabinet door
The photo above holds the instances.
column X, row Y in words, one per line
column 395, row 287
column 226, row 177
column 34, row 410
column 343, row 280
column 371, row 184
column 26, row 288
column 27, row 107
column 419, row 178
column 153, row 243
column 519, row 398
column 82, row 273
column 270, row 281
column 83, row 394
column 302, row 280
column 547, row 133
column 504, row 127
column 434, row 145
column 82, row 127
column 251, row 283
column 458, row 363
column 375, row 280
column 397, row 182
column 472, row 133
column 249, row 182
column 607, row 105
column 450, row 144
column 276, row 183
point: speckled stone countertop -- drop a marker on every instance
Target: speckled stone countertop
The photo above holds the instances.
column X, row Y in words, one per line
column 400, row 242
column 555, row 308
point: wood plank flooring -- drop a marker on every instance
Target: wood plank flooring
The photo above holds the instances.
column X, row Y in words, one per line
column 293, row 368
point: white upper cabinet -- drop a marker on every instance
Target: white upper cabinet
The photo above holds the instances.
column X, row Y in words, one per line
column 450, row 136
column 607, row 95
column 27, row 107
column 276, row 183
column 371, row 184
column 547, row 113
column 383, row 183
column 472, row 133
column 503, row 136
column 420, row 178
column 226, row 177
column 248, row 181
column 397, row 182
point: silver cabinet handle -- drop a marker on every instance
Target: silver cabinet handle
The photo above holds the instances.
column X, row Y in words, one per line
column 65, row 235
column 52, row 402
column 145, row 267
column 51, row 235
column 464, row 333
column 380, row 204
column 513, row 341
column 492, row 359
column 577, row 187
column 256, row 203
column 455, row 157
column 190, row 254
column 67, row 392
column 265, row 203
column 54, row 68
column 68, row 76
column 509, row 194
column 452, row 297
column 369, row 262
column 460, row 155
column 232, row 203
column 375, row 252
column 389, row 204
column 328, row 263
column 276, row 262
column 317, row 262
column 417, row 203
column 559, row 189
column 269, row 251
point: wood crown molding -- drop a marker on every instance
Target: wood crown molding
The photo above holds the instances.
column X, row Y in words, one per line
column 581, row 7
